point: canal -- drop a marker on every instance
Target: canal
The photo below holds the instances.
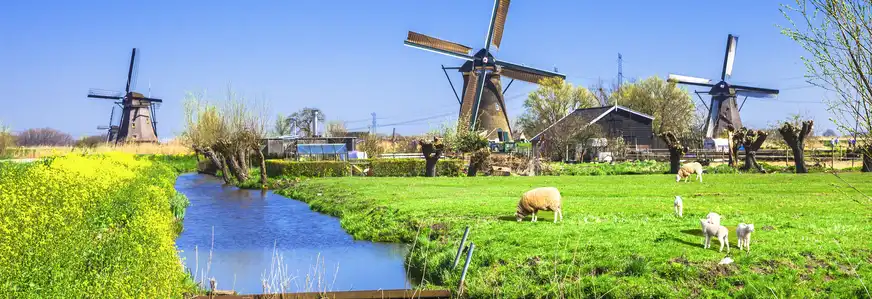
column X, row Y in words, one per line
column 259, row 239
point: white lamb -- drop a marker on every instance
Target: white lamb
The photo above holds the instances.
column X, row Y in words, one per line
column 679, row 206
column 713, row 218
column 540, row 199
column 718, row 231
column 687, row 169
column 743, row 233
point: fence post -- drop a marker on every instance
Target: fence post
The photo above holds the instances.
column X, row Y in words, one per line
column 460, row 248
column 465, row 268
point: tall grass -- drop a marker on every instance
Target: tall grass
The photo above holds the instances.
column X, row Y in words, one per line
column 170, row 148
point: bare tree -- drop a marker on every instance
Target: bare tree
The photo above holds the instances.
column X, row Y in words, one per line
column 336, row 128
column 838, row 37
column 44, row 137
column 282, row 126
column 795, row 136
column 751, row 140
column 432, row 151
column 6, row 139
column 676, row 150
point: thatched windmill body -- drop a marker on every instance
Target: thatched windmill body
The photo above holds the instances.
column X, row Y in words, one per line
column 483, row 107
column 137, row 122
column 723, row 109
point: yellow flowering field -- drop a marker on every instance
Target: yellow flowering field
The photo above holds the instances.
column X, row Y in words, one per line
column 91, row 226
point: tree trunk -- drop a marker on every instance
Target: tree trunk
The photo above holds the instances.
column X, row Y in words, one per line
column 432, row 151
column 676, row 151
column 260, row 157
column 212, row 156
column 752, row 140
column 476, row 161
column 225, row 172
column 242, row 154
column 795, row 138
column 751, row 161
column 867, row 159
column 235, row 169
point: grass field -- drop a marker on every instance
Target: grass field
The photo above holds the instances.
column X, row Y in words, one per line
column 619, row 237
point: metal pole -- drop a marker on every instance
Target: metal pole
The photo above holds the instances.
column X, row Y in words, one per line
column 460, row 248
column 465, row 267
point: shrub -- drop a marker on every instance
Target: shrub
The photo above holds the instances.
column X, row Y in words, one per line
column 89, row 227
column 636, row 167
column 381, row 167
column 181, row 163
column 277, row 168
column 414, row 167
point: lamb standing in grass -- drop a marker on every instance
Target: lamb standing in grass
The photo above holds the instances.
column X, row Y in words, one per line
column 687, row 169
column 718, row 231
column 679, row 206
column 544, row 199
column 713, row 218
column 743, row 233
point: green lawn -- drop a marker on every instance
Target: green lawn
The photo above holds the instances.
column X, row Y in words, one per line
column 619, row 237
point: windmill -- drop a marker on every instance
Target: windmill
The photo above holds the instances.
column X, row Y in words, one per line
column 722, row 109
column 482, row 107
column 137, row 122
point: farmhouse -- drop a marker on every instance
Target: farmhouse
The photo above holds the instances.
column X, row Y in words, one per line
column 587, row 128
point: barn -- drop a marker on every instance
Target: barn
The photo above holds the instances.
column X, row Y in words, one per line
column 635, row 128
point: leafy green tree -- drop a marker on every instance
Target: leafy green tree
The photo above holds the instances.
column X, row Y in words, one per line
column 671, row 106
column 554, row 99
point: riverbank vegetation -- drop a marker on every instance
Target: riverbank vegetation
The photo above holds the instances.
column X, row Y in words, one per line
column 619, row 238
column 92, row 226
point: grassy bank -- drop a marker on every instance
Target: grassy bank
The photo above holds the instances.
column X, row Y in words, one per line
column 619, row 237
column 91, row 226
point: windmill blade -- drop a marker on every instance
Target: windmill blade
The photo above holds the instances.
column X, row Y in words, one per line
column 105, row 94
column 756, row 92
column 729, row 56
column 103, row 128
column 524, row 73
column 500, row 22
column 130, row 70
column 689, row 80
column 469, row 96
column 440, row 51
column 432, row 42
column 479, row 90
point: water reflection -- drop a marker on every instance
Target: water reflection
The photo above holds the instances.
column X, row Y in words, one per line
column 252, row 228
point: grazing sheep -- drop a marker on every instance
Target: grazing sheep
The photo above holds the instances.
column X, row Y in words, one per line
column 687, row 169
column 743, row 233
column 679, row 206
column 713, row 218
column 544, row 199
column 718, row 231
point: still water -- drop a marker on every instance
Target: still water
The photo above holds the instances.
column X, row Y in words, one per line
column 260, row 235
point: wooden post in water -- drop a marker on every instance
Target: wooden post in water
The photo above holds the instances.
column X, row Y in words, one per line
column 460, row 248
column 465, row 268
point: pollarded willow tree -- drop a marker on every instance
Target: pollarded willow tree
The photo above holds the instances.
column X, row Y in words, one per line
column 751, row 140
column 226, row 134
column 838, row 36
column 795, row 136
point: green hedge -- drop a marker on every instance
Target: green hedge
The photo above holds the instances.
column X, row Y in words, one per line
column 414, row 167
column 97, row 226
column 380, row 167
column 276, row 168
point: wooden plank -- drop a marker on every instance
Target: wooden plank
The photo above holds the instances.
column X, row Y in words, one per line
column 382, row 294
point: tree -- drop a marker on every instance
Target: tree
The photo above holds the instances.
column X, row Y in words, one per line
column 476, row 145
column 751, row 140
column 304, row 119
column 92, row 141
column 554, row 99
column 336, row 128
column 838, row 37
column 432, row 151
column 226, row 134
column 6, row 139
column 676, row 150
column 830, row 133
column 44, row 137
column 282, row 126
column 795, row 136
column 671, row 106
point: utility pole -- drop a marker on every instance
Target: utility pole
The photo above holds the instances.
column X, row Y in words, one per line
column 394, row 135
column 620, row 70
column 373, row 129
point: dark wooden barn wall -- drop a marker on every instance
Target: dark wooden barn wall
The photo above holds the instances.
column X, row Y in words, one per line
column 635, row 129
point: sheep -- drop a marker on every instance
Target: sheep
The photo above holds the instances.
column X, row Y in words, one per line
column 713, row 218
column 543, row 198
column 679, row 206
column 743, row 233
column 687, row 169
column 718, row 231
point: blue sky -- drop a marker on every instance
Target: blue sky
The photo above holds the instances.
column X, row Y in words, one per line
column 347, row 57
